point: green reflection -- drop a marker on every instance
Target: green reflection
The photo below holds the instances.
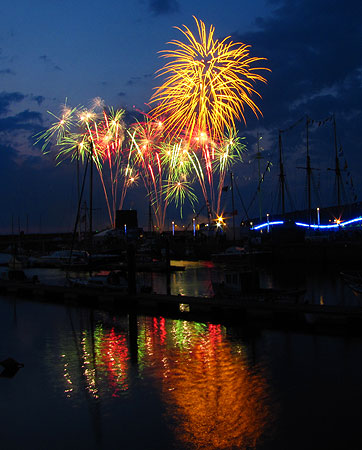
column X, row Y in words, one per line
column 216, row 398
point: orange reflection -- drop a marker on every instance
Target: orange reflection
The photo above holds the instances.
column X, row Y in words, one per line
column 218, row 401
column 214, row 397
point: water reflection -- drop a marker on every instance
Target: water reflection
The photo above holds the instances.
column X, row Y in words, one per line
column 213, row 396
column 97, row 359
column 194, row 280
column 216, row 399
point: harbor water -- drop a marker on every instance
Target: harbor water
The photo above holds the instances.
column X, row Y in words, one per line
column 96, row 380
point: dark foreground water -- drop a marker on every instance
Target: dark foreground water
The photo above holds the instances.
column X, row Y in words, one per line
column 92, row 380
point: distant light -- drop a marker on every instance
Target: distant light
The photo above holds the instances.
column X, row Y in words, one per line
column 184, row 307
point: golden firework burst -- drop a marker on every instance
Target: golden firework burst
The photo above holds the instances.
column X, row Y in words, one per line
column 207, row 85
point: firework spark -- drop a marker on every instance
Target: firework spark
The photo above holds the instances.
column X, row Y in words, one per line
column 178, row 191
column 207, row 86
column 98, row 132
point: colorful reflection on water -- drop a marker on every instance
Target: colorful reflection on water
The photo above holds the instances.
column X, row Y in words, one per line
column 96, row 381
column 214, row 397
column 100, row 362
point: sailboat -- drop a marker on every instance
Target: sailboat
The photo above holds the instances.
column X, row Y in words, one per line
column 317, row 218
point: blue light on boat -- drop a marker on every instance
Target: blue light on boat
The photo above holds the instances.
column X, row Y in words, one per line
column 335, row 225
column 306, row 225
column 263, row 225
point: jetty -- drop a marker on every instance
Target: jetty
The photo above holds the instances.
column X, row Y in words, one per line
column 246, row 310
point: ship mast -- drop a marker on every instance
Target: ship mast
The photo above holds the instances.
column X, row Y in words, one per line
column 91, row 198
column 309, row 172
column 259, row 157
column 337, row 167
column 281, row 174
column 233, row 203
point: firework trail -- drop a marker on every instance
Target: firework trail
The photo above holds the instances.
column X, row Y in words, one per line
column 100, row 132
column 207, row 86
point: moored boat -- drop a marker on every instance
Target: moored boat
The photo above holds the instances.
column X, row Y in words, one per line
column 353, row 280
column 106, row 280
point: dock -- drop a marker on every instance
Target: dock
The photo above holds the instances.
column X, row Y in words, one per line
column 248, row 311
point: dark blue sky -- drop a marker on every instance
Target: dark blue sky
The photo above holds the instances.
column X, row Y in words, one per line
column 52, row 50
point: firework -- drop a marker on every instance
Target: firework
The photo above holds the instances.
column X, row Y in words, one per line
column 60, row 128
column 178, row 191
column 228, row 153
column 207, row 85
column 164, row 165
column 99, row 133
column 146, row 138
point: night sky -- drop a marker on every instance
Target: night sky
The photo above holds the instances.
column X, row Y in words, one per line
column 55, row 50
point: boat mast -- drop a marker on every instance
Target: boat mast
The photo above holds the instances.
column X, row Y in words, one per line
column 337, row 167
column 91, row 198
column 78, row 191
column 309, row 170
column 309, row 173
column 259, row 157
column 150, row 223
column 281, row 173
column 232, row 203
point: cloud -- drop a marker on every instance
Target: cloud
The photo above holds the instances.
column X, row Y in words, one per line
column 49, row 62
column 307, row 51
column 18, row 128
column 313, row 50
column 132, row 81
column 7, row 72
column 159, row 7
column 7, row 98
column 39, row 99
column 25, row 120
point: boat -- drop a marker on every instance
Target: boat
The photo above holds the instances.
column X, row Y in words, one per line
column 231, row 254
column 106, row 280
column 17, row 262
column 239, row 255
column 17, row 276
column 62, row 258
column 353, row 280
column 13, row 275
column 14, row 260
